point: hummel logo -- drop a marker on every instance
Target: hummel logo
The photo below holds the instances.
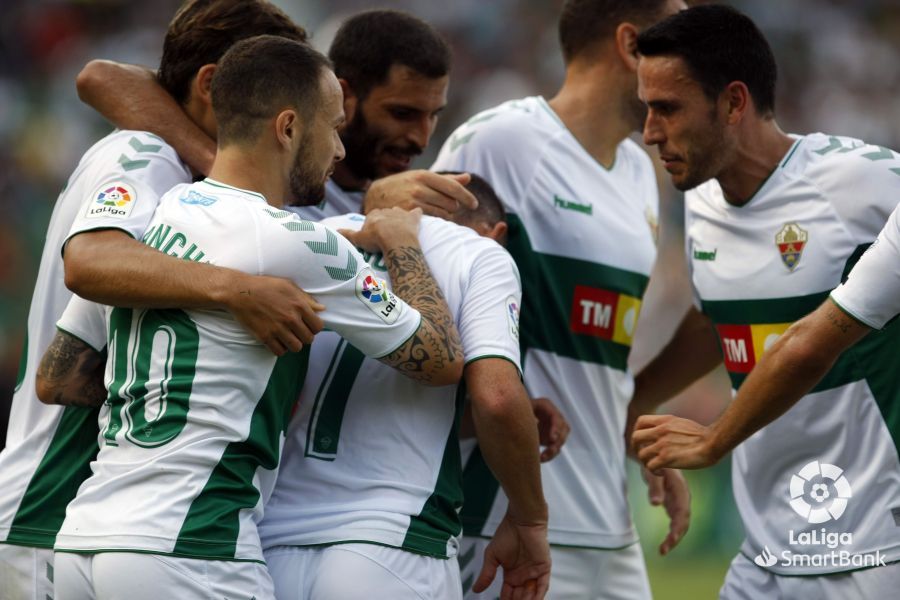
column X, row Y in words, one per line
column 587, row 209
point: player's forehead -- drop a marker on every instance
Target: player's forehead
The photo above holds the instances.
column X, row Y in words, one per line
column 404, row 86
column 664, row 77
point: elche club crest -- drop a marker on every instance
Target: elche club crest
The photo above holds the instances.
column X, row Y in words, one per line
column 791, row 241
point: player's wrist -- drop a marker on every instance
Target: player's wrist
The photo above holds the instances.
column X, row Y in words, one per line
column 534, row 516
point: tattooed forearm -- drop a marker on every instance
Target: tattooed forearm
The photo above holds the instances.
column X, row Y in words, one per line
column 839, row 320
column 436, row 344
column 71, row 373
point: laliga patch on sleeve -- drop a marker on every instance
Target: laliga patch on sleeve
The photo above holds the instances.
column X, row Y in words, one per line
column 374, row 293
column 512, row 315
column 111, row 201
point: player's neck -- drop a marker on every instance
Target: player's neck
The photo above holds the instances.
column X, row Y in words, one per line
column 762, row 147
column 347, row 180
column 589, row 105
column 250, row 170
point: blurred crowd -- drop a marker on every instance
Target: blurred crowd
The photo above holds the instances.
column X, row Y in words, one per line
column 838, row 73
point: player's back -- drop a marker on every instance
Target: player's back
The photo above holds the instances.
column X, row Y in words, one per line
column 34, row 489
column 372, row 455
column 192, row 430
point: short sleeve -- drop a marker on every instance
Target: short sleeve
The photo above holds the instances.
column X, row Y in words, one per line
column 85, row 320
column 871, row 293
column 125, row 195
column 358, row 304
column 489, row 316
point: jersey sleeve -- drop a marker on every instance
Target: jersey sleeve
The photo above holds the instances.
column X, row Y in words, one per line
column 863, row 186
column 85, row 320
column 489, row 315
column 358, row 304
column 871, row 293
column 125, row 193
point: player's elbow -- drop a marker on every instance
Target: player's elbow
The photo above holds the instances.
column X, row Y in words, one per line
column 801, row 351
column 449, row 372
column 46, row 391
column 90, row 79
column 497, row 404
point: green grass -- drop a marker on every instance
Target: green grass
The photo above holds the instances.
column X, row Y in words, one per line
column 679, row 579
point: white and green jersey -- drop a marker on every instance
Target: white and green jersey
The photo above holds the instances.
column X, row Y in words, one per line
column 337, row 202
column 829, row 466
column 580, row 236
column 48, row 448
column 197, row 409
column 373, row 456
column 871, row 293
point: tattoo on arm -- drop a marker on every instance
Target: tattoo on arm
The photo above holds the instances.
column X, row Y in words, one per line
column 73, row 371
column 436, row 342
column 838, row 319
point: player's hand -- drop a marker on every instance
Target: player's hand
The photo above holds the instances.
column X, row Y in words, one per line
column 553, row 429
column 670, row 489
column 385, row 227
column 666, row 441
column 275, row 311
column 523, row 552
column 437, row 195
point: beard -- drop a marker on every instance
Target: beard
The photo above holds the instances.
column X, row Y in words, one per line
column 364, row 143
column 706, row 158
column 307, row 186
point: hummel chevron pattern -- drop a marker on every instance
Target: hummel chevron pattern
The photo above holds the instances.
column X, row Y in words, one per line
column 130, row 164
column 329, row 247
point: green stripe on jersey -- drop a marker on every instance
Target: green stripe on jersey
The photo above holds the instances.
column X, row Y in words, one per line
column 212, row 524
column 64, row 467
column 438, row 520
column 480, row 489
column 548, row 300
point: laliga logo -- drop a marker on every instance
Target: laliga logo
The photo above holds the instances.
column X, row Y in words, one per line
column 826, row 482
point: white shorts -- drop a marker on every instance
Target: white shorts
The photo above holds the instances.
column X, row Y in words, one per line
column 133, row 576
column 746, row 581
column 576, row 574
column 356, row 571
column 26, row 573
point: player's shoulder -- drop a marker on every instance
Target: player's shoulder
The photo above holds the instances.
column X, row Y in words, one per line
column 130, row 151
column 525, row 121
column 834, row 160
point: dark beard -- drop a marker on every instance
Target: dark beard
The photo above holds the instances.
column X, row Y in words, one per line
column 360, row 145
column 306, row 189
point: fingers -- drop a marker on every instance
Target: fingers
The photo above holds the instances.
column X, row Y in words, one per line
column 655, row 490
column 678, row 506
column 487, row 574
column 452, row 192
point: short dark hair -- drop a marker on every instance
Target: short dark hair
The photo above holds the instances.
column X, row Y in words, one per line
column 202, row 30
column 260, row 76
column 490, row 209
column 369, row 43
column 584, row 23
column 719, row 45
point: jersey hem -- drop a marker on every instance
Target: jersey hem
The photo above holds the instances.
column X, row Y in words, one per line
column 406, row 339
column 79, row 338
column 445, row 556
column 62, row 251
column 159, row 553
column 388, row 538
column 851, row 314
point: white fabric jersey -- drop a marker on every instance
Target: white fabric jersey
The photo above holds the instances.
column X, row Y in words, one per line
column 192, row 431
column 871, row 293
column 580, row 236
column 337, row 202
column 48, row 448
column 830, row 464
column 372, row 455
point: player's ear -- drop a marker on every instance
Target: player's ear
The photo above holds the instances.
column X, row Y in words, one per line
column 202, row 83
column 288, row 129
column 737, row 100
column 498, row 232
column 626, row 45
column 351, row 101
